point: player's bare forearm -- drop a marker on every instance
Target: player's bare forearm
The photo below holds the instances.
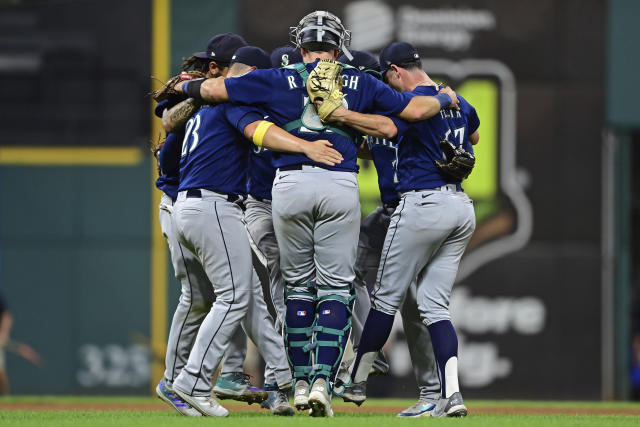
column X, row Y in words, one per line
column 368, row 124
column 175, row 117
column 474, row 137
column 277, row 139
column 425, row 107
column 209, row 90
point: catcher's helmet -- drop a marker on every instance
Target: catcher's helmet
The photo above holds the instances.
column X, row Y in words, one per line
column 321, row 29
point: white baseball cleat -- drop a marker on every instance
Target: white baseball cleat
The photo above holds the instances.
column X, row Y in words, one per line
column 206, row 405
column 320, row 399
column 301, row 395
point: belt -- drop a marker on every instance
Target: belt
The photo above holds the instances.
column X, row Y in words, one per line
column 195, row 193
column 297, row 167
column 393, row 205
column 446, row 187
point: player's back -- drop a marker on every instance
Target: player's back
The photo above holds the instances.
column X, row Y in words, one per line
column 282, row 94
column 419, row 143
column 214, row 152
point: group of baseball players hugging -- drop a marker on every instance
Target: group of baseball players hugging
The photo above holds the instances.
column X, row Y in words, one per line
column 260, row 157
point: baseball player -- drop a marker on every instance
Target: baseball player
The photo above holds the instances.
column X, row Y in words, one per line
column 6, row 322
column 316, row 209
column 209, row 223
column 259, row 223
column 258, row 217
column 196, row 291
column 373, row 229
column 429, row 229
column 284, row 55
column 193, row 306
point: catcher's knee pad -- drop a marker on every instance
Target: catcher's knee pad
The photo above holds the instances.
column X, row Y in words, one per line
column 298, row 325
column 331, row 333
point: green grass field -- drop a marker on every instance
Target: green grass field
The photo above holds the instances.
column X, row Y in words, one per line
column 143, row 411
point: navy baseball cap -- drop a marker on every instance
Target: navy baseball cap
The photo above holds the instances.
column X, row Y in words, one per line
column 397, row 53
column 285, row 55
column 253, row 56
column 221, row 48
column 363, row 61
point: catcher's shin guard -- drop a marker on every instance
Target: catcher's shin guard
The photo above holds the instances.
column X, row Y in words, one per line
column 330, row 335
column 298, row 326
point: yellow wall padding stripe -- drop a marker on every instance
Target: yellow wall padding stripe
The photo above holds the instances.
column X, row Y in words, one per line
column 161, row 46
column 70, row 156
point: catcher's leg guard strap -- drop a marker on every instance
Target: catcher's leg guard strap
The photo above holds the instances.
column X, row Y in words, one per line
column 298, row 326
column 330, row 335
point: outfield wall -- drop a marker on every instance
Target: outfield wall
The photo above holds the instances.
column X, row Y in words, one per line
column 87, row 276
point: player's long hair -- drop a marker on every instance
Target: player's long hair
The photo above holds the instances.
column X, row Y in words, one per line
column 195, row 63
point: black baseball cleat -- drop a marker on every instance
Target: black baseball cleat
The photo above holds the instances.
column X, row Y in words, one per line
column 451, row 407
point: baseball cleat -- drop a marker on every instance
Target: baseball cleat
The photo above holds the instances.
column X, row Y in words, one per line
column 320, row 399
column 421, row 409
column 206, row 405
column 451, row 407
column 301, row 395
column 278, row 403
column 237, row 386
column 355, row 393
column 166, row 394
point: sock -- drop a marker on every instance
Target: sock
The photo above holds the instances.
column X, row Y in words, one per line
column 300, row 314
column 335, row 315
column 445, row 348
column 374, row 334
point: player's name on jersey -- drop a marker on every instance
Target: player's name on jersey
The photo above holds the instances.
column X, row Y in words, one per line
column 379, row 141
column 450, row 114
column 347, row 81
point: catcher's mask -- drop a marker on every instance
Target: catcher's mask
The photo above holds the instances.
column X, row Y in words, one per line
column 321, row 29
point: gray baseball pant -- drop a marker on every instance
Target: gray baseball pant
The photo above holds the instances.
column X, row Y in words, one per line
column 316, row 218
column 259, row 221
column 212, row 228
column 195, row 301
column 372, row 236
column 427, row 236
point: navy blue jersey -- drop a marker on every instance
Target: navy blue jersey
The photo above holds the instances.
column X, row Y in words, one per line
column 282, row 94
column 169, row 159
column 261, row 173
column 385, row 159
column 419, row 143
column 169, row 156
column 215, row 151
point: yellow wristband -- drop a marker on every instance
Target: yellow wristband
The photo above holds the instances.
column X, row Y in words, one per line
column 260, row 131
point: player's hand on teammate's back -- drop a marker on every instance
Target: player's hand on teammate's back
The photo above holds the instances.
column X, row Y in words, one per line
column 320, row 151
column 452, row 94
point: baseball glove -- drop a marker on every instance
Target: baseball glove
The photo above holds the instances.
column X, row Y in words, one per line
column 325, row 84
column 168, row 88
column 459, row 162
column 155, row 150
